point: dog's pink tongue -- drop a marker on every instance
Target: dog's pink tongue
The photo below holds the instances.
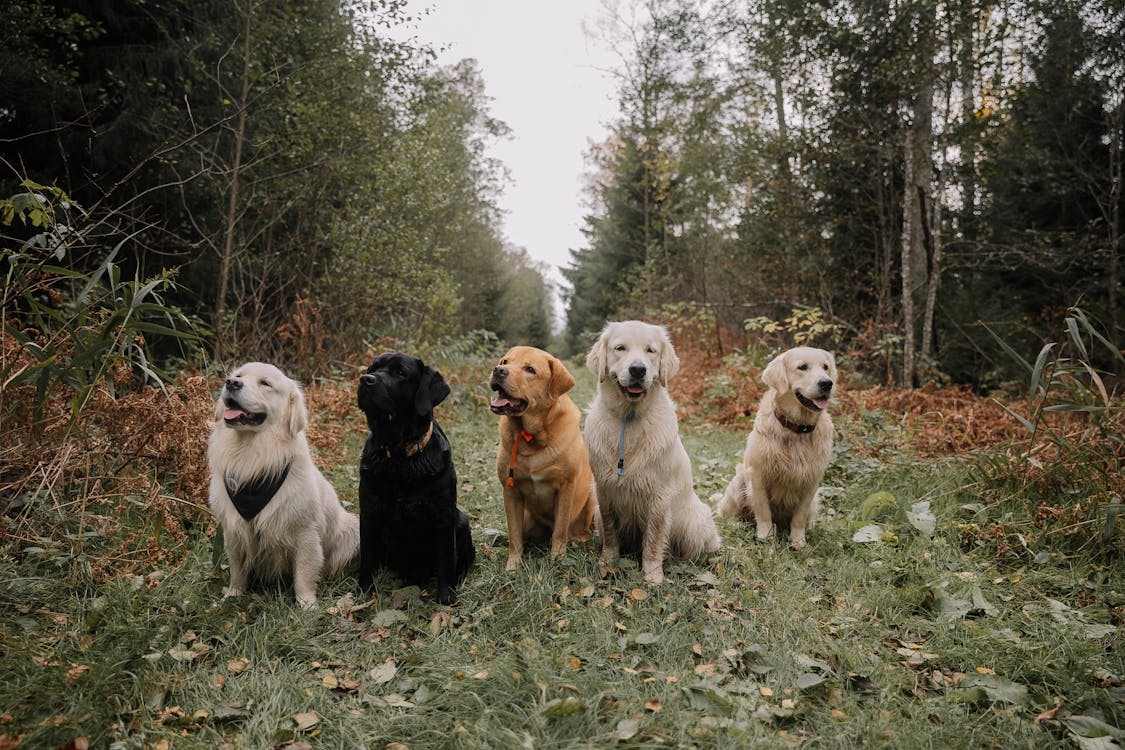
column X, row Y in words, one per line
column 821, row 403
column 233, row 414
column 636, row 390
column 500, row 402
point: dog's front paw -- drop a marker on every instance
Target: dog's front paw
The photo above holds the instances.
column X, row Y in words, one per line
column 764, row 530
column 513, row 563
column 446, row 595
column 229, row 591
column 307, row 602
column 797, row 541
column 654, row 576
column 608, row 556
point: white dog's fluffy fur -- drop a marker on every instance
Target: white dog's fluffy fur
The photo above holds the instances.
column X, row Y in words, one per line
column 303, row 531
column 789, row 448
column 651, row 505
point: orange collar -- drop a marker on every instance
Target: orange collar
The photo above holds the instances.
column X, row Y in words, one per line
column 528, row 437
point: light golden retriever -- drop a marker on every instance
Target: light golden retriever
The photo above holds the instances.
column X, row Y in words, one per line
column 789, row 448
column 280, row 516
column 541, row 461
column 641, row 469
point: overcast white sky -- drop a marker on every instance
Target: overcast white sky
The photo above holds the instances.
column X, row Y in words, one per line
column 547, row 82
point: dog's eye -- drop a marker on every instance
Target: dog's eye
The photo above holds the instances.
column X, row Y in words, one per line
column 619, row 348
column 529, row 369
column 503, row 361
column 802, row 366
column 264, row 382
column 650, row 350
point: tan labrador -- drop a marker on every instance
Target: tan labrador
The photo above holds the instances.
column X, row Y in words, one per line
column 541, row 462
column 789, row 448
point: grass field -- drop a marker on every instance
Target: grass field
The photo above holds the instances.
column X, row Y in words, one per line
column 910, row 640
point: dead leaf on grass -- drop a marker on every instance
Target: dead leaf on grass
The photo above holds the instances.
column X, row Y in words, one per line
column 306, row 720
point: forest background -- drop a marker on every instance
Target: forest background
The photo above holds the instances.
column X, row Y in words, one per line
column 930, row 181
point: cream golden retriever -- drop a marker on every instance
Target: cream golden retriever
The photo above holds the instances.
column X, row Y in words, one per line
column 788, row 450
column 280, row 516
column 642, row 472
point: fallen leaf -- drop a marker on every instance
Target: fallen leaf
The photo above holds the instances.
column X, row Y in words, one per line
column 306, row 720
column 565, row 706
column 868, row 534
column 638, row 595
column 765, row 692
column 386, row 618
column 383, row 673
column 653, row 706
column 626, row 729
column 810, row 680
column 329, row 681
column 922, row 518
column 1050, row 712
column 237, row 666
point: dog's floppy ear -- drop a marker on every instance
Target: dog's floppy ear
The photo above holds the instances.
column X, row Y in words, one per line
column 669, row 362
column 561, row 379
column 432, row 390
column 775, row 375
column 298, row 414
column 832, row 367
column 596, row 359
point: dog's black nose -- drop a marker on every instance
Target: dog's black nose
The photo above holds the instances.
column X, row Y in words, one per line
column 637, row 371
column 233, row 384
column 499, row 372
column 366, row 378
column 825, row 385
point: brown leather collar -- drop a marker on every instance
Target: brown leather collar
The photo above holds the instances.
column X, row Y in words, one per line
column 797, row 427
column 413, row 449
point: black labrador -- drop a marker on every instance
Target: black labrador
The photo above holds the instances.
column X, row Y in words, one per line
column 408, row 516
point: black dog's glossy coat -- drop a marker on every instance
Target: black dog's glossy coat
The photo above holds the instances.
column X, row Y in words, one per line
column 408, row 515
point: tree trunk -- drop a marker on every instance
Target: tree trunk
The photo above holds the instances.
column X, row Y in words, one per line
column 918, row 196
column 1116, row 241
column 909, row 203
column 228, row 252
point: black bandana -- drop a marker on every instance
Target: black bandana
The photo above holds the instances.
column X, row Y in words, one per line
column 253, row 496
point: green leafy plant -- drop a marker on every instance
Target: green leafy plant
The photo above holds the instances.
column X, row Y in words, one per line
column 803, row 327
column 73, row 321
column 1075, row 424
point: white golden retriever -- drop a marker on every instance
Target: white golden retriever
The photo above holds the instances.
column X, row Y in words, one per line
column 789, row 448
column 641, row 469
column 280, row 516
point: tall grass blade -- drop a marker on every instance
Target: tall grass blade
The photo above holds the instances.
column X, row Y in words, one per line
column 1007, row 347
column 1037, row 372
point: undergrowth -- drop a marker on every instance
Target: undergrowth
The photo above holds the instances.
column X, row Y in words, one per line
column 999, row 625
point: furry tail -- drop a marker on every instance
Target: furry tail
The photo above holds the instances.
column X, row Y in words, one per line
column 735, row 502
column 343, row 550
